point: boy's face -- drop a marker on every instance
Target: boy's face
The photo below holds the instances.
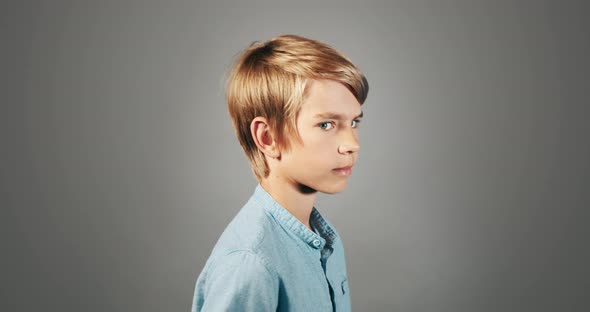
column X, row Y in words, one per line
column 327, row 124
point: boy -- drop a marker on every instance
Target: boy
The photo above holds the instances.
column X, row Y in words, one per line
column 295, row 105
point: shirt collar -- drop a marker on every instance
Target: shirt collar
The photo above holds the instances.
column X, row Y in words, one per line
column 289, row 222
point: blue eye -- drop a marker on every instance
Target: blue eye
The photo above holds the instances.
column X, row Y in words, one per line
column 326, row 123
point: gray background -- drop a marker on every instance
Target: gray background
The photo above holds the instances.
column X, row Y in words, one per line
column 119, row 167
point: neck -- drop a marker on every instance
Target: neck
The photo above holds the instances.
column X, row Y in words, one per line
column 294, row 197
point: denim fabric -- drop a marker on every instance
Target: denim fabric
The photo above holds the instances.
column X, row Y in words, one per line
column 267, row 260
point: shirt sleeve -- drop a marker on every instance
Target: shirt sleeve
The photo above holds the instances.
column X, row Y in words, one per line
column 241, row 281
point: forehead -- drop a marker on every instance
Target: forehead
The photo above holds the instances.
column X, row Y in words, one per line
column 329, row 96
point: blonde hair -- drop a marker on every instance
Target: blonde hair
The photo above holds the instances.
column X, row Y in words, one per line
column 270, row 79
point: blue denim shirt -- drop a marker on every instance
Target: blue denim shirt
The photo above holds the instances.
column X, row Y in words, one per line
column 267, row 260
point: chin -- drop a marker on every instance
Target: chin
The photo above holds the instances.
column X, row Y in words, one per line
column 326, row 186
column 333, row 188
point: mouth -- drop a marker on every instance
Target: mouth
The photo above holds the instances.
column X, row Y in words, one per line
column 345, row 171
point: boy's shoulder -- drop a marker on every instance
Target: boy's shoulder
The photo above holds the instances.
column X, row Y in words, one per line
column 251, row 230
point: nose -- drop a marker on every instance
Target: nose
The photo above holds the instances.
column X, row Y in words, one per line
column 349, row 146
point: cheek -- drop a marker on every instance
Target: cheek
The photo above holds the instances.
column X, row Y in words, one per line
column 318, row 155
column 318, row 152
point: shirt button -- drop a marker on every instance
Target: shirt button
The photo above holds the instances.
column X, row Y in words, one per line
column 316, row 242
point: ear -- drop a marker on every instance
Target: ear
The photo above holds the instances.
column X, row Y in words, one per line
column 262, row 136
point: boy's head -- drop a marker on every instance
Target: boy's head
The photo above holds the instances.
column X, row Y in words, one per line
column 279, row 93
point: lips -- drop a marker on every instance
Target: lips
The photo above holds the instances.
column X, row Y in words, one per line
column 344, row 171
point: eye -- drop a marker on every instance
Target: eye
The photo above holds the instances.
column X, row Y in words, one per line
column 356, row 123
column 323, row 125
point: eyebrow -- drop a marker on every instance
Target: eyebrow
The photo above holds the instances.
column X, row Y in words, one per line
column 336, row 116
